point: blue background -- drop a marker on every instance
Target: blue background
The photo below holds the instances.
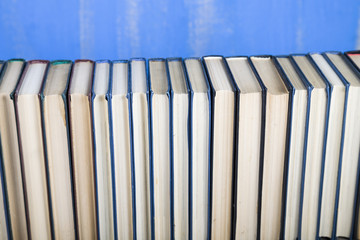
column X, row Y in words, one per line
column 70, row 29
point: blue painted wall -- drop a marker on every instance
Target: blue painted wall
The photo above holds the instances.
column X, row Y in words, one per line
column 99, row 29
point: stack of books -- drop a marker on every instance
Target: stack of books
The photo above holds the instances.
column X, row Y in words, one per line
column 199, row 148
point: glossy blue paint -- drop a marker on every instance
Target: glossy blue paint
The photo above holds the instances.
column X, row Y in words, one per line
column 54, row 29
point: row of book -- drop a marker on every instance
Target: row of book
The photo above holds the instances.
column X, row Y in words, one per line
column 200, row 148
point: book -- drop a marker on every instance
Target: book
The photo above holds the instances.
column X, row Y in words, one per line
column 160, row 156
column 199, row 165
column 57, row 148
column 314, row 145
column 102, row 150
column 242, row 147
column 4, row 228
column 9, row 79
column 346, row 182
column 138, row 93
column 179, row 120
column 248, row 147
column 297, row 130
column 333, row 144
column 31, row 145
column 349, row 175
column 273, row 147
column 121, row 150
column 82, row 151
column 223, row 110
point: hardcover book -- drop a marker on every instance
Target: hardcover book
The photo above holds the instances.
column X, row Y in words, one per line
column 199, row 165
column 333, row 144
column 298, row 111
column 123, row 177
column 31, row 145
column 9, row 79
column 223, row 93
column 246, row 183
column 347, row 225
column 160, row 155
column 259, row 147
column 274, row 145
column 102, row 149
column 82, row 151
column 3, row 205
column 179, row 100
column 346, row 181
column 57, row 148
column 138, row 93
column 312, row 169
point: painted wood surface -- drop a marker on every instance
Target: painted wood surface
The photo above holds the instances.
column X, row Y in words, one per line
column 54, row 29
